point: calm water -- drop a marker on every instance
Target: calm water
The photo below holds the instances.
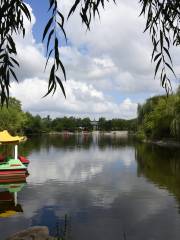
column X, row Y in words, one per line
column 108, row 187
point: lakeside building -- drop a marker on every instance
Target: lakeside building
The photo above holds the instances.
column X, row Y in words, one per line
column 95, row 124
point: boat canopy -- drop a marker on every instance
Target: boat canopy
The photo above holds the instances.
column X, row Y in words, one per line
column 5, row 137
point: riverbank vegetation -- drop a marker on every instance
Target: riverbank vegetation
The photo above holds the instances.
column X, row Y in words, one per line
column 159, row 117
column 15, row 120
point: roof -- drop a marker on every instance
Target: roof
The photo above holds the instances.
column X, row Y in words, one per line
column 5, row 137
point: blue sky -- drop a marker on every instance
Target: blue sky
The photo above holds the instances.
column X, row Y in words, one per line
column 40, row 11
column 108, row 69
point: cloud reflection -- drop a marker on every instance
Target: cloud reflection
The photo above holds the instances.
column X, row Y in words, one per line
column 75, row 166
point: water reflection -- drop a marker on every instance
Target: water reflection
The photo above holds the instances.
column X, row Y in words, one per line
column 75, row 141
column 9, row 205
column 160, row 166
column 108, row 185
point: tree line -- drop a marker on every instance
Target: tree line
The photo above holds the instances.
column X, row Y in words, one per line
column 14, row 119
column 159, row 117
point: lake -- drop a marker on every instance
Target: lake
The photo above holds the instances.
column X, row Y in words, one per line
column 100, row 187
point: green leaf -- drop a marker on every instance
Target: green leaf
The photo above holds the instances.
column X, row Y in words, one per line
column 73, row 8
column 157, row 56
column 13, row 74
column 48, row 58
column 12, row 43
column 63, row 69
column 51, row 2
column 47, row 27
column 62, row 29
column 52, row 82
column 25, row 10
column 157, row 66
column 61, row 85
column 15, row 61
column 168, row 54
column 163, row 80
column 61, row 16
column 167, row 64
column 49, row 38
column 56, row 48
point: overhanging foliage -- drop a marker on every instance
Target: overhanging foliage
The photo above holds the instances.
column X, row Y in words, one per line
column 163, row 18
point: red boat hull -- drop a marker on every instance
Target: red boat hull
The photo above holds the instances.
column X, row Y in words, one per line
column 13, row 176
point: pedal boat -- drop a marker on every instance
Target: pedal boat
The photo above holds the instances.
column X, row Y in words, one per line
column 11, row 168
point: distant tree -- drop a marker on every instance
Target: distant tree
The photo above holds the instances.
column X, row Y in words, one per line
column 34, row 124
column 12, row 118
column 46, row 122
column 101, row 123
column 163, row 18
column 57, row 125
column 86, row 124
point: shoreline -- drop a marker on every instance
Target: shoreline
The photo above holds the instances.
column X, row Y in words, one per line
column 110, row 133
column 164, row 143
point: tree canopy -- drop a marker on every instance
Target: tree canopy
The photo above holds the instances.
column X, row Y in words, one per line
column 162, row 22
column 12, row 118
column 159, row 117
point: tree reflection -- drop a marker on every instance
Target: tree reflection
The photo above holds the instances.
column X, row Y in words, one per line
column 160, row 166
column 74, row 141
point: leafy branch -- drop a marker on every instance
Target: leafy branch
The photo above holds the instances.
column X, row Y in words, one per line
column 12, row 15
column 163, row 18
column 88, row 9
column 55, row 22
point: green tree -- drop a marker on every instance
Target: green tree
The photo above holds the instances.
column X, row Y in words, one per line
column 157, row 122
column 101, row 123
column 57, row 125
column 86, row 124
column 33, row 124
column 12, row 118
column 46, row 122
column 159, row 117
column 175, row 124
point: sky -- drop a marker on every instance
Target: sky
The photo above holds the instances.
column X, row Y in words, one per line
column 109, row 69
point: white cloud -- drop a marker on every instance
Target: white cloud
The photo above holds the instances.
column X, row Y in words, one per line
column 82, row 100
column 114, row 56
column 87, row 78
column 119, row 35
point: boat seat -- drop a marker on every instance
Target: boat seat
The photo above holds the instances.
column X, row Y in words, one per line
column 23, row 160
